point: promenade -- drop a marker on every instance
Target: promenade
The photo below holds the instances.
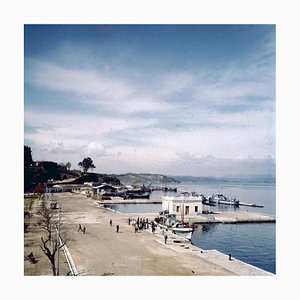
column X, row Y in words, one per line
column 103, row 251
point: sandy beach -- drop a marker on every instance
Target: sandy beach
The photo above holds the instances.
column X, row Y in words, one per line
column 102, row 251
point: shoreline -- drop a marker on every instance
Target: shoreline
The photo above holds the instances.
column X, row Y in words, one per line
column 102, row 251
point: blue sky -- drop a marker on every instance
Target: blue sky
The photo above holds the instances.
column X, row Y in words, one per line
column 172, row 99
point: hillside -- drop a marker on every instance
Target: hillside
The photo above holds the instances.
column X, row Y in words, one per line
column 51, row 171
column 144, row 178
column 229, row 179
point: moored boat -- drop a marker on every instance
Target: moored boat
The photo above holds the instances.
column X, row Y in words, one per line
column 169, row 222
column 221, row 199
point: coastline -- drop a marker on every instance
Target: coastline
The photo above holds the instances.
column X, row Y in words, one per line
column 102, row 251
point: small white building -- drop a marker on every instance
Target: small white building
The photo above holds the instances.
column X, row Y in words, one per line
column 182, row 205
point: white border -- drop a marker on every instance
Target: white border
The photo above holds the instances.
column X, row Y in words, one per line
column 14, row 14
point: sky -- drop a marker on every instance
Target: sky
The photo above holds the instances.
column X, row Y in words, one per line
column 193, row 100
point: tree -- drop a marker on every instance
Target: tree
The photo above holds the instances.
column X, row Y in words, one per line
column 68, row 165
column 28, row 162
column 50, row 243
column 86, row 164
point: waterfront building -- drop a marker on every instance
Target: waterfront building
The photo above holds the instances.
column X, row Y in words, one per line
column 182, row 205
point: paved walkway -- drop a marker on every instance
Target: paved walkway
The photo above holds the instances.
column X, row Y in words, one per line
column 103, row 251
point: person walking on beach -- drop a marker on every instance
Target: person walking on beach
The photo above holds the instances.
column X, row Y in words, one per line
column 129, row 221
column 166, row 237
column 79, row 228
column 110, row 222
column 118, row 227
column 84, row 229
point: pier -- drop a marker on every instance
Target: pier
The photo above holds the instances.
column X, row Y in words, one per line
column 249, row 204
column 216, row 217
column 231, row 217
column 128, row 201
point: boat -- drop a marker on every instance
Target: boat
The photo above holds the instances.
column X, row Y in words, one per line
column 168, row 221
column 183, row 230
column 206, row 201
column 138, row 196
column 221, row 199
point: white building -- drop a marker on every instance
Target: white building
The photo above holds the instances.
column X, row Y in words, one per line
column 182, row 205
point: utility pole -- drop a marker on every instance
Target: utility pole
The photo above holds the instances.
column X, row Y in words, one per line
column 58, row 241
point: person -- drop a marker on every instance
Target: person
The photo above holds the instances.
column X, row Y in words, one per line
column 153, row 227
column 32, row 258
column 110, row 222
column 135, row 228
column 79, row 228
column 118, row 227
column 230, row 256
column 166, row 237
column 84, row 229
column 129, row 221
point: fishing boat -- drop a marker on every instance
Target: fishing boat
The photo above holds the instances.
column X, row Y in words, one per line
column 169, row 222
column 183, row 230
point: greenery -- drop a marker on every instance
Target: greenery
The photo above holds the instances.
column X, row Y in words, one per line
column 86, row 164
column 27, row 157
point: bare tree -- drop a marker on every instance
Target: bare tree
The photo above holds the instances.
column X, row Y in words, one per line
column 50, row 243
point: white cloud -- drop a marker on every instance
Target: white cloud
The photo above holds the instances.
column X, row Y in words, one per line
column 95, row 148
column 180, row 135
column 98, row 88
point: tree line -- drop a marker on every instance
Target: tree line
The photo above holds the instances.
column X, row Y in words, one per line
column 40, row 172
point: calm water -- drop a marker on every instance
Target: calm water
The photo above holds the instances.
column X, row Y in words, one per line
column 251, row 243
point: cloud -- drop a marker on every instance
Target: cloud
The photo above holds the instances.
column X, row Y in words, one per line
column 213, row 166
column 215, row 121
column 98, row 89
column 94, row 148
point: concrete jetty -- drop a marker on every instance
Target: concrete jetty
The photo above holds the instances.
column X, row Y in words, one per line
column 217, row 217
column 231, row 217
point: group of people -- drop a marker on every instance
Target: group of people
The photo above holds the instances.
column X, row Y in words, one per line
column 142, row 223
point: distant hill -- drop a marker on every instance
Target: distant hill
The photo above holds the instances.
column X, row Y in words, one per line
column 238, row 179
column 159, row 179
column 144, row 178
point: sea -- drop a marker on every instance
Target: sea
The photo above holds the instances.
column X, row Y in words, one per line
column 254, row 244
